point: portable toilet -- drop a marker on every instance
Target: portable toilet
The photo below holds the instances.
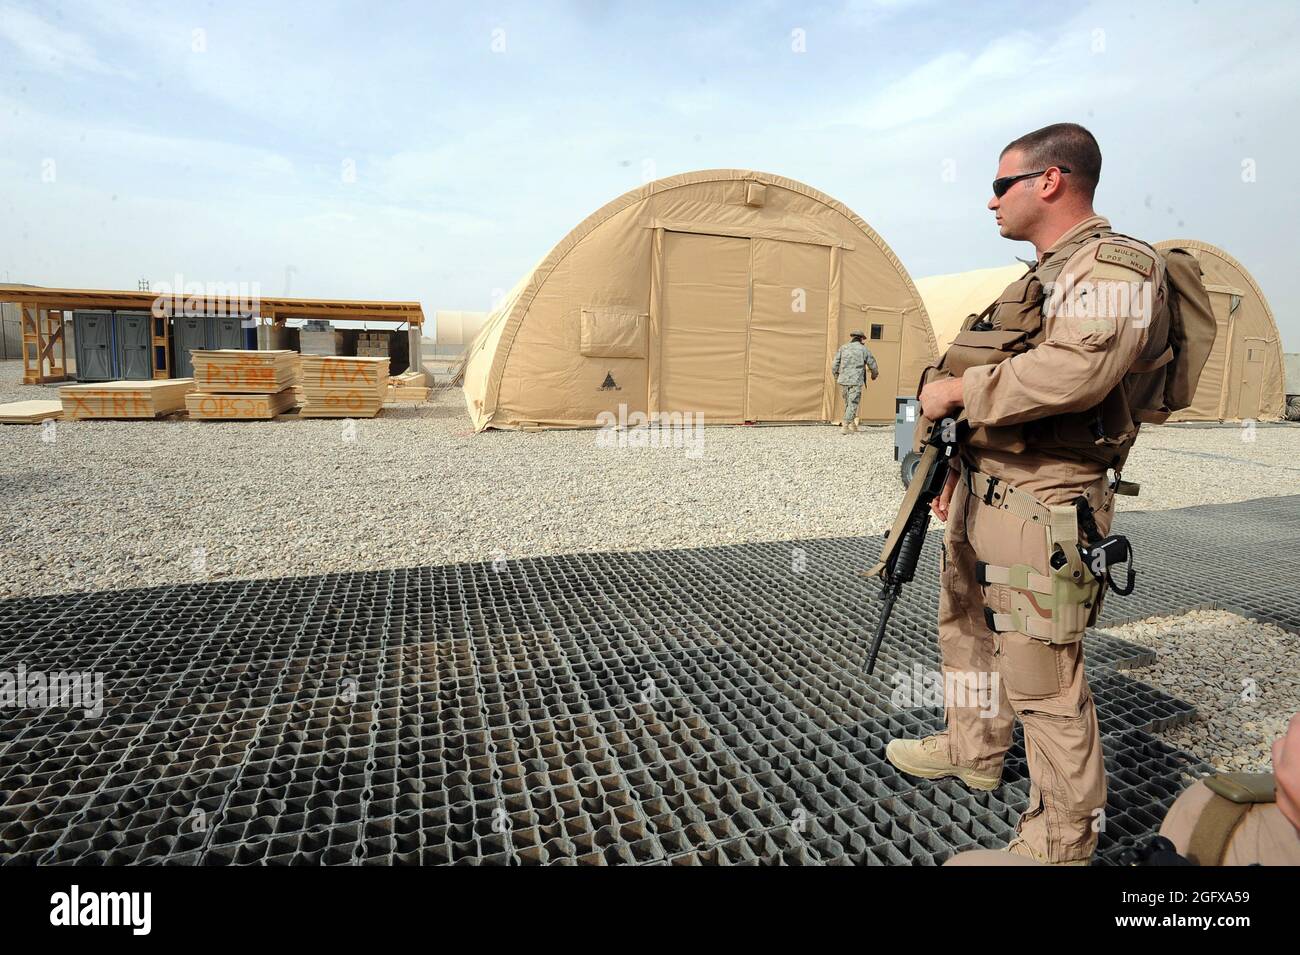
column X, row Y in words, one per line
column 131, row 330
column 93, row 345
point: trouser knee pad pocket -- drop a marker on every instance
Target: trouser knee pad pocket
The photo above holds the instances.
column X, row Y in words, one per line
column 1029, row 667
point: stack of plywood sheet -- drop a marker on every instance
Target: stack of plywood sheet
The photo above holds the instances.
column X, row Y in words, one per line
column 125, row 399
column 30, row 412
column 297, row 380
column 408, row 386
column 234, row 371
column 204, row 406
column 340, row 387
column 237, row 385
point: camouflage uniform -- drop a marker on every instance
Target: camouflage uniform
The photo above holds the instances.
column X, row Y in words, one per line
column 848, row 371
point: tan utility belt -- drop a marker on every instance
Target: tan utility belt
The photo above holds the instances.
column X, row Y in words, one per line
column 998, row 493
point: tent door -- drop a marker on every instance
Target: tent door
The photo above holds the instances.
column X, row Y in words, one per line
column 704, row 325
column 1251, row 381
column 884, row 331
column 786, row 373
column 743, row 326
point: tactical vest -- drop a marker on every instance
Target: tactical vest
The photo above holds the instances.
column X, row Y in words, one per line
column 1014, row 324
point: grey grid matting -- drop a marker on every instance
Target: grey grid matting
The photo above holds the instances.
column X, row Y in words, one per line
column 688, row 707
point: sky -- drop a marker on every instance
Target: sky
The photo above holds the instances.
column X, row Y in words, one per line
column 398, row 150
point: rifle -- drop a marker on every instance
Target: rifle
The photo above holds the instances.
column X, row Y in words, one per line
column 903, row 541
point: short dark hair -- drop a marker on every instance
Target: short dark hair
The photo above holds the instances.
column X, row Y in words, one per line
column 1062, row 144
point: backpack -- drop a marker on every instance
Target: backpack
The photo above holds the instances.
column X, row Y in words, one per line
column 1181, row 337
column 1189, row 327
column 1161, row 381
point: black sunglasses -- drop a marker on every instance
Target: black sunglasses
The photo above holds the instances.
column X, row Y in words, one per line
column 1000, row 186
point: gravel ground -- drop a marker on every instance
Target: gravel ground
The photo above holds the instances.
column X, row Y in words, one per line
column 1242, row 675
column 110, row 504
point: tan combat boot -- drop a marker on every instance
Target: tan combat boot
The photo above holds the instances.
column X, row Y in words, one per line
column 844, row 426
column 1018, row 847
column 854, row 427
column 928, row 758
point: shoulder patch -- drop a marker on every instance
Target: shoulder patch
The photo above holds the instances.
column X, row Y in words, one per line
column 1129, row 258
column 1109, row 272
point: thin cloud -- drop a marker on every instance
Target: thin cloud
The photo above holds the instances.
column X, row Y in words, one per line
column 50, row 48
column 949, row 80
column 391, row 147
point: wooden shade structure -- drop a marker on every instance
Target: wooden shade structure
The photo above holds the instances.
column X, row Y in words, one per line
column 42, row 314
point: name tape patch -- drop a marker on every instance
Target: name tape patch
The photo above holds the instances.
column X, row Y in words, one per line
column 1133, row 259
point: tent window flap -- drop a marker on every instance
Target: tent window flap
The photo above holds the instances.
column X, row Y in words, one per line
column 613, row 332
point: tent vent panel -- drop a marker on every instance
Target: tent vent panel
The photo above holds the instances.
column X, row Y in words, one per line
column 755, row 194
column 613, row 332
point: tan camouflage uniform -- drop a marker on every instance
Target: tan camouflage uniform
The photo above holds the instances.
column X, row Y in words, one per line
column 1042, row 683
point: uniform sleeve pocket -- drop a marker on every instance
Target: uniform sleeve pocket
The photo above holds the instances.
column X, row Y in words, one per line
column 1093, row 334
column 1088, row 316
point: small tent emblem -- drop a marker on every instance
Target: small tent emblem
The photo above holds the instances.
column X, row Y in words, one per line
column 609, row 384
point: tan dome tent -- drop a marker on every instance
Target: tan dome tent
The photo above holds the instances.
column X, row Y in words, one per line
column 721, row 292
column 1243, row 375
column 950, row 298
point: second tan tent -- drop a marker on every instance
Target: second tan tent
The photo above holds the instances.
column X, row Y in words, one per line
column 1242, row 378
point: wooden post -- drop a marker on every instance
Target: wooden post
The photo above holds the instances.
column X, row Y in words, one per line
column 41, row 332
column 31, row 342
column 160, row 341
